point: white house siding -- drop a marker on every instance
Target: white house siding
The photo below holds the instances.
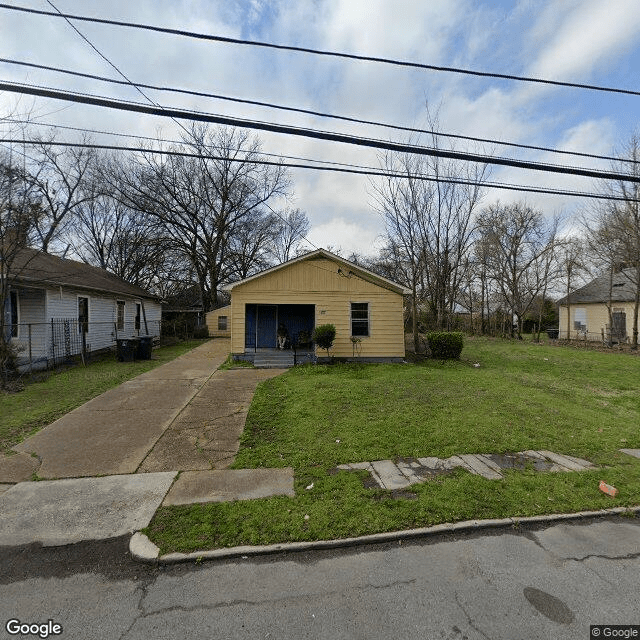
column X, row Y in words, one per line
column 63, row 304
column 31, row 324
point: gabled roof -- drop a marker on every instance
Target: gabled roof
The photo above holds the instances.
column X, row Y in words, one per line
column 624, row 289
column 36, row 268
column 359, row 271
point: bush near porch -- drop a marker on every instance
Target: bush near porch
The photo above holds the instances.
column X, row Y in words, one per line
column 521, row 396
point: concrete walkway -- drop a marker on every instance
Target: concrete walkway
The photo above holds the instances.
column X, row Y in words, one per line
column 185, row 415
column 391, row 475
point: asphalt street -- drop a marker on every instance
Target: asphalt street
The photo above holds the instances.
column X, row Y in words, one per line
column 546, row 582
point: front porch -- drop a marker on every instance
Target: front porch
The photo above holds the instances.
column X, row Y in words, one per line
column 279, row 335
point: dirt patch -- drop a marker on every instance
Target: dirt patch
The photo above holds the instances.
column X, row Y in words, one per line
column 519, row 461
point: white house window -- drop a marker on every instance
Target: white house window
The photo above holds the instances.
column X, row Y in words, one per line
column 13, row 303
column 580, row 320
column 222, row 323
column 83, row 315
column 120, row 314
column 137, row 323
column 359, row 319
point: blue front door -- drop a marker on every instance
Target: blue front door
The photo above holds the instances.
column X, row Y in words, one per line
column 267, row 326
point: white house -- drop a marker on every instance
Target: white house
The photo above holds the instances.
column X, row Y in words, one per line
column 58, row 308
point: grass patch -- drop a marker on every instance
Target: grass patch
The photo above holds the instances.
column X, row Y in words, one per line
column 44, row 400
column 230, row 363
column 522, row 396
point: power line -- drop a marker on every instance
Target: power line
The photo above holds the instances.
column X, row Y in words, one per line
column 111, row 64
column 353, row 170
column 270, row 105
column 331, row 136
column 322, row 52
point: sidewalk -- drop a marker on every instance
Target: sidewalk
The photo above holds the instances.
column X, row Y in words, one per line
column 110, row 463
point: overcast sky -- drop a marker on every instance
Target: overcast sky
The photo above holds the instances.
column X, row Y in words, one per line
column 585, row 41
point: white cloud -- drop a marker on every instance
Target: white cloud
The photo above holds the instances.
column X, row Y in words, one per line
column 346, row 236
column 583, row 38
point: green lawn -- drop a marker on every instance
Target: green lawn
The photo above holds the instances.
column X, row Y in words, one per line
column 522, row 396
column 40, row 403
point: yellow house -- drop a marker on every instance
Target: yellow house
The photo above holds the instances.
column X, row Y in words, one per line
column 314, row 289
column 219, row 322
column 585, row 312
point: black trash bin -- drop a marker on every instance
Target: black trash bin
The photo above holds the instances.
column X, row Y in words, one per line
column 144, row 347
column 553, row 333
column 126, row 349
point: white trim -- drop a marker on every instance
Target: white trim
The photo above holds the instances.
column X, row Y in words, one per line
column 124, row 314
column 368, row 303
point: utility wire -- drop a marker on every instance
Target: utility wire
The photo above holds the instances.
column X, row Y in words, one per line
column 111, row 64
column 357, row 171
column 321, row 52
column 311, row 112
column 47, row 92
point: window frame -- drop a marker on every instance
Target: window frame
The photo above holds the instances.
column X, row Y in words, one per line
column 14, row 309
column 137, row 317
column 83, row 327
column 360, row 320
column 121, row 305
column 226, row 323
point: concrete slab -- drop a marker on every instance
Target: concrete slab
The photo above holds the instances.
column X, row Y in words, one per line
column 478, row 467
column 17, row 467
column 389, row 475
column 457, row 461
column 5, row 487
column 63, row 512
column 113, row 433
column 564, row 461
column 489, row 462
column 91, row 443
column 233, row 484
column 206, row 433
column 632, row 452
column 408, row 471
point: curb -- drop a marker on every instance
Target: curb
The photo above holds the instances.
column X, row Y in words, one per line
column 143, row 550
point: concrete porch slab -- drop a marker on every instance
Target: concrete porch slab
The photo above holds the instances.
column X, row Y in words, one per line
column 63, row 512
column 229, row 485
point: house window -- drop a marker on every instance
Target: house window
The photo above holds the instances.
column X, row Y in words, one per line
column 222, row 323
column 83, row 315
column 13, row 303
column 580, row 320
column 137, row 323
column 359, row 318
column 120, row 315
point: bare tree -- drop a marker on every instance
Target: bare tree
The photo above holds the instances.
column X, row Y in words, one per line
column 57, row 177
column 431, row 221
column 516, row 241
column 291, row 228
column 18, row 212
column 622, row 221
column 199, row 201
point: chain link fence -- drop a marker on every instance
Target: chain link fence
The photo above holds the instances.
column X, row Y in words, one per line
column 42, row 345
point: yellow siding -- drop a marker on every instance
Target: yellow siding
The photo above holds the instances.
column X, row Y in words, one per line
column 212, row 322
column 317, row 282
column 597, row 319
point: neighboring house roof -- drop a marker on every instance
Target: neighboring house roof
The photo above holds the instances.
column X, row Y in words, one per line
column 361, row 272
column 624, row 289
column 34, row 267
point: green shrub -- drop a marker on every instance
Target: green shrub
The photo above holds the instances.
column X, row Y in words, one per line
column 201, row 332
column 445, row 345
column 324, row 335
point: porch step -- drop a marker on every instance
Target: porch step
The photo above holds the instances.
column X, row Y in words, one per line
column 274, row 360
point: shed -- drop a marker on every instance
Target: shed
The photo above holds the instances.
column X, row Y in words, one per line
column 314, row 289
column 219, row 322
